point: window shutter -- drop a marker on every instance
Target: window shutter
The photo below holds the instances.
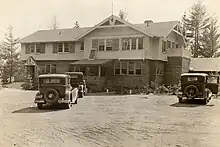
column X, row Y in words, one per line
column 55, row 50
column 95, row 44
column 42, row 48
column 115, row 44
column 27, row 49
column 71, row 47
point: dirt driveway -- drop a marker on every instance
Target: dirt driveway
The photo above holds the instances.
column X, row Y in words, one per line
column 108, row 121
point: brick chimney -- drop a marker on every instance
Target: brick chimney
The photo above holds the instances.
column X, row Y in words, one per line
column 148, row 22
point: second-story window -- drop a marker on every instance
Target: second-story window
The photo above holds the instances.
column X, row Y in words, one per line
column 101, row 44
column 35, row 48
column 60, row 47
column 63, row 47
column 125, row 44
column 109, row 45
column 140, row 43
column 66, row 47
column 133, row 43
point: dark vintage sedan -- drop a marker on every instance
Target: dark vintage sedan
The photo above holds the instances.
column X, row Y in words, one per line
column 198, row 86
column 56, row 89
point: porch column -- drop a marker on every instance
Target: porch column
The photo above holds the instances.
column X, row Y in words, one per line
column 100, row 68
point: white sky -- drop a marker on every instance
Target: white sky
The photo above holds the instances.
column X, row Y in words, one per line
column 28, row 16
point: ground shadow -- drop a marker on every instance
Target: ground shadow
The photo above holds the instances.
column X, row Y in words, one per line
column 191, row 104
column 36, row 110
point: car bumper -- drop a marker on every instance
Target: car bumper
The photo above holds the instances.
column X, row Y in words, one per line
column 39, row 99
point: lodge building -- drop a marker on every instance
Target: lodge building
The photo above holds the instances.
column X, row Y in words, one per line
column 113, row 52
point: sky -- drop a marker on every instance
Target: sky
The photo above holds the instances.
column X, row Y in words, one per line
column 28, row 16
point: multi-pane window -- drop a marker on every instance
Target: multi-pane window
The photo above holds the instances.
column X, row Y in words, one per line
column 66, row 47
column 140, row 43
column 53, row 68
column 32, row 48
column 138, row 68
column 108, row 44
column 37, row 48
column 125, row 44
column 117, row 68
column 124, row 68
column 60, row 47
column 133, row 43
column 101, row 43
column 47, row 68
column 168, row 44
column 128, row 68
column 131, row 68
column 50, row 68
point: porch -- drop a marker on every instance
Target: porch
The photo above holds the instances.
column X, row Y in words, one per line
column 95, row 72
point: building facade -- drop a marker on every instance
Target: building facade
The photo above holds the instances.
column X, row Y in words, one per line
column 113, row 52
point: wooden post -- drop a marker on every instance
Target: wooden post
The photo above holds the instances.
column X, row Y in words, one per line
column 100, row 68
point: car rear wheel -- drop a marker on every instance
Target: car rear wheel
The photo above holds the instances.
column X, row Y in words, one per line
column 191, row 91
column 51, row 95
column 40, row 106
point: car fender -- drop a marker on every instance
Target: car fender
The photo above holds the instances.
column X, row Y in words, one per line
column 74, row 93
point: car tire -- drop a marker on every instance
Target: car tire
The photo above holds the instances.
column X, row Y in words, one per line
column 54, row 93
column 40, row 106
column 191, row 87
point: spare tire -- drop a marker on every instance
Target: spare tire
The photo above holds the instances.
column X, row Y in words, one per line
column 191, row 91
column 51, row 95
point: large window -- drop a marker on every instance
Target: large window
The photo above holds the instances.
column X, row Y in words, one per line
column 133, row 43
column 101, row 43
column 140, row 43
column 109, row 45
column 82, row 46
column 117, row 68
column 32, row 47
column 37, row 48
column 131, row 68
column 128, row 68
column 125, row 44
column 60, row 47
column 50, row 68
column 63, row 47
column 124, row 68
column 138, row 70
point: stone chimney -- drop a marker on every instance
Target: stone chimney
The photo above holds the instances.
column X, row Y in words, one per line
column 148, row 22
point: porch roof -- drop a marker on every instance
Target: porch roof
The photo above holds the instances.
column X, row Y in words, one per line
column 91, row 62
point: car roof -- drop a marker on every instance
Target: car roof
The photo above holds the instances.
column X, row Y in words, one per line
column 194, row 74
column 75, row 73
column 54, row 75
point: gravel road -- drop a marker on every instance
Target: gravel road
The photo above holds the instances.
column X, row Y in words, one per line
column 108, row 121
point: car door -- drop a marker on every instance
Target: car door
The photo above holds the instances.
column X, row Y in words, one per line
column 213, row 83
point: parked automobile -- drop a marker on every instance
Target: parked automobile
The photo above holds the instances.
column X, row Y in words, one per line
column 56, row 89
column 198, row 86
column 77, row 81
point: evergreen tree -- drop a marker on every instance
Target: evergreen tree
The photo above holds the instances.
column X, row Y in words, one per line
column 9, row 54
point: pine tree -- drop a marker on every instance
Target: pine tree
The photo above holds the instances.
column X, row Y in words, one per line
column 9, row 54
column 196, row 23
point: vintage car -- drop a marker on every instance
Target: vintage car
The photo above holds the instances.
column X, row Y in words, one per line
column 198, row 86
column 56, row 89
column 77, row 81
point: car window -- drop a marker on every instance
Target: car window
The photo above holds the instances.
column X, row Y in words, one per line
column 51, row 81
column 192, row 79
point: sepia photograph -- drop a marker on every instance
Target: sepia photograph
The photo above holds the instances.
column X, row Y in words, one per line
column 109, row 73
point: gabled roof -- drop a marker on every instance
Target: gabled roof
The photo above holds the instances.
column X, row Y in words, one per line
column 116, row 18
column 159, row 29
column 205, row 64
column 54, row 35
